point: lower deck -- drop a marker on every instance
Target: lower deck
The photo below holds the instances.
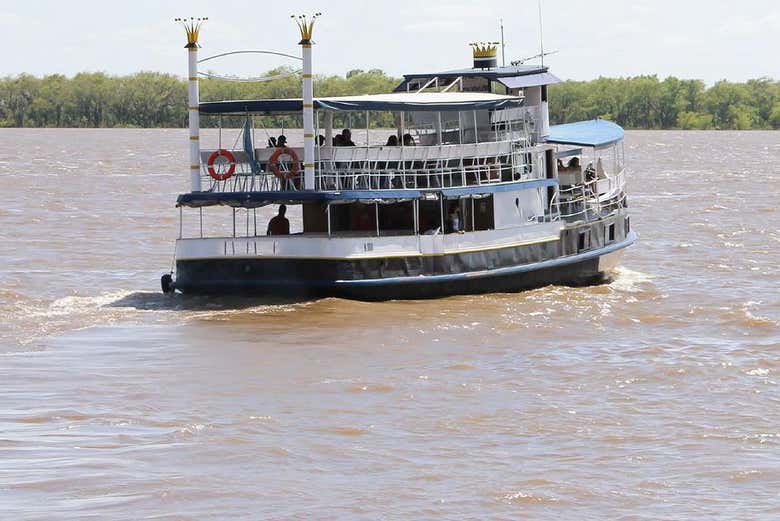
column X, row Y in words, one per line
column 380, row 268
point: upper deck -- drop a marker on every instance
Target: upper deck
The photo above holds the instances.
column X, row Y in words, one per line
column 458, row 133
column 507, row 79
column 440, row 139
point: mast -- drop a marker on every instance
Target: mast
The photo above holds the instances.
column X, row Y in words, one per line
column 192, row 28
column 306, row 28
column 541, row 36
column 503, row 44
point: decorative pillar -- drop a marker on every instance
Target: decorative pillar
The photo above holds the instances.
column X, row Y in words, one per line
column 192, row 28
column 306, row 28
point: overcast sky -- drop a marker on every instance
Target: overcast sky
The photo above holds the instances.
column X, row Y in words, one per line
column 705, row 39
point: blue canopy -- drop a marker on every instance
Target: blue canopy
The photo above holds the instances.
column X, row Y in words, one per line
column 241, row 107
column 258, row 199
column 591, row 133
column 261, row 198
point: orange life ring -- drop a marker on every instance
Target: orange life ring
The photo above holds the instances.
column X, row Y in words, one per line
column 273, row 163
column 221, row 176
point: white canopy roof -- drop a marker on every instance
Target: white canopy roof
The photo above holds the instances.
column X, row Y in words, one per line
column 396, row 101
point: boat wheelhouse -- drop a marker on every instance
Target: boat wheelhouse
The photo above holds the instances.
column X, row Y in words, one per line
column 470, row 190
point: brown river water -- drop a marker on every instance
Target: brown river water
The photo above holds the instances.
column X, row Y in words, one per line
column 653, row 397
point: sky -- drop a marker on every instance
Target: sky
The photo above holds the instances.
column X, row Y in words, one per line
column 702, row 39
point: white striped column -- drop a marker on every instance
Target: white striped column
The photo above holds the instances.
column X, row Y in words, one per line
column 194, row 118
column 308, row 117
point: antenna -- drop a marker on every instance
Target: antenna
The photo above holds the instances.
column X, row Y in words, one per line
column 541, row 35
column 503, row 44
column 535, row 56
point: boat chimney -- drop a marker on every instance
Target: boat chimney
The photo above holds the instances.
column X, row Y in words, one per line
column 485, row 54
column 192, row 28
column 306, row 27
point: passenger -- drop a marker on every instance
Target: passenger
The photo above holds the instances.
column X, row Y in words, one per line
column 392, row 141
column 453, row 219
column 338, row 141
column 271, row 142
column 574, row 164
column 320, row 140
column 347, row 135
column 409, row 140
column 281, row 141
column 590, row 172
column 279, row 225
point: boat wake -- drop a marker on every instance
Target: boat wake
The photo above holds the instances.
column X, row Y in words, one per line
column 155, row 301
column 34, row 319
column 629, row 281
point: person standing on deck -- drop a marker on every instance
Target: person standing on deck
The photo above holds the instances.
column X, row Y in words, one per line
column 279, row 225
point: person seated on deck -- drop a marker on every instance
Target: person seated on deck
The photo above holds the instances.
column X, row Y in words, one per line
column 279, row 225
column 574, row 164
column 281, row 141
column 271, row 142
column 409, row 141
column 392, row 141
column 346, row 139
column 320, row 140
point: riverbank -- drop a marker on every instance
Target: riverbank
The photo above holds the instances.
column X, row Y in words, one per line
column 156, row 100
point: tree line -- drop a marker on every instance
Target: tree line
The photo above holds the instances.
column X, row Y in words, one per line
column 151, row 99
column 645, row 102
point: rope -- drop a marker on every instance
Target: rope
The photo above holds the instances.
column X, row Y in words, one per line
column 173, row 260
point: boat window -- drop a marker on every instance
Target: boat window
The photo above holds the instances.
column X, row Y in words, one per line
column 484, row 218
column 611, row 232
column 396, row 218
column 315, row 218
column 583, row 242
column 359, row 219
column 430, row 217
column 355, row 218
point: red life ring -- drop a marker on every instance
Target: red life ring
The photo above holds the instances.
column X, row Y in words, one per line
column 221, row 176
column 273, row 163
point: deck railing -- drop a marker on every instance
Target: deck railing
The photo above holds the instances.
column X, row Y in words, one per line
column 387, row 167
column 591, row 199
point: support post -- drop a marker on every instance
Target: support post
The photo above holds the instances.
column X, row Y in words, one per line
column 307, row 29
column 329, row 128
column 192, row 28
column 327, row 211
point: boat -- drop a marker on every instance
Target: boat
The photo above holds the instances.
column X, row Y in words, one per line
column 473, row 191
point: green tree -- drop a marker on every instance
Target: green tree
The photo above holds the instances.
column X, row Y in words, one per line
column 150, row 99
column 774, row 116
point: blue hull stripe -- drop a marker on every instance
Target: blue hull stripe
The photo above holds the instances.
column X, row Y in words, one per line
column 552, row 263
